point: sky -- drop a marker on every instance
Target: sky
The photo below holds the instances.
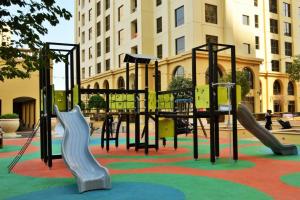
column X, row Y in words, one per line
column 63, row 32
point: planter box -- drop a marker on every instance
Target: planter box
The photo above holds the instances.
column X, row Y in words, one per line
column 9, row 125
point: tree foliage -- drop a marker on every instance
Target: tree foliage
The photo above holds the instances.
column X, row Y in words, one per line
column 180, row 83
column 96, row 102
column 241, row 79
column 294, row 70
column 27, row 23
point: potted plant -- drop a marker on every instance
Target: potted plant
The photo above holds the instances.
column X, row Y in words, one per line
column 9, row 122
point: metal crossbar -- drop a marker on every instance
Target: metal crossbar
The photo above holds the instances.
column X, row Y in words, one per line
column 24, row 148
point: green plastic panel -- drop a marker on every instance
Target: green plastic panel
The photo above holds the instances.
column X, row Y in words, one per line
column 202, row 96
column 152, row 101
column 121, row 101
column 60, row 100
column 166, row 128
column 165, row 101
column 75, row 95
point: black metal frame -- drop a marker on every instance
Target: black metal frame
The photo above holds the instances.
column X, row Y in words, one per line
column 72, row 70
column 212, row 113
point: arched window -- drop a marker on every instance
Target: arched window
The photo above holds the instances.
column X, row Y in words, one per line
column 96, row 86
column 178, row 72
column 276, row 88
column 250, row 76
column 260, row 88
column 220, row 75
column 132, row 81
column 105, row 84
column 291, row 88
column 121, row 83
column 88, row 87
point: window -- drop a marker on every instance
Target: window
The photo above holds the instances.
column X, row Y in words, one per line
column 120, row 37
column 82, row 55
column 90, row 15
column 96, row 86
column 291, row 88
column 121, row 58
column 134, row 50
column 105, row 84
column 158, row 2
column 107, row 64
column 180, row 45
column 178, row 72
column 90, row 53
column 107, row 4
column 246, row 20
column 83, row 73
column 247, row 47
column 120, row 13
column 255, row 2
column 273, row 6
column 78, row 31
column 274, row 46
column 257, row 46
column 286, row 9
column 288, row 48
column 179, row 16
column 291, row 106
column 133, row 5
column 98, row 49
column 107, row 45
column 98, row 28
column 211, row 13
column 288, row 65
column 256, row 19
column 107, row 23
column 159, row 50
column 277, row 107
column 134, row 29
column 98, row 8
column 159, row 25
column 287, row 29
column 90, row 33
column 211, row 39
column 98, row 68
column 82, row 20
column 121, row 83
column 249, row 76
column 273, row 26
column 90, row 71
column 276, row 88
column 275, row 65
column 83, row 37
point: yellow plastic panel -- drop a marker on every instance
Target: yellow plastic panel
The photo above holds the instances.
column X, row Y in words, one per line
column 166, row 128
column 152, row 101
column 222, row 96
column 202, row 96
column 238, row 94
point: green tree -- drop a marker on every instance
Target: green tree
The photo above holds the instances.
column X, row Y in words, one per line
column 27, row 23
column 294, row 70
column 180, row 83
column 241, row 79
column 96, row 102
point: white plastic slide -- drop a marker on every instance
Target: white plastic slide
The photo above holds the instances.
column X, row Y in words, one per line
column 247, row 120
column 90, row 175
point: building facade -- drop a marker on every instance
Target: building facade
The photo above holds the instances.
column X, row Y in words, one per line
column 265, row 33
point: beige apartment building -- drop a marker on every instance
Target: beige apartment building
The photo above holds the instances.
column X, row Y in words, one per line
column 17, row 95
column 265, row 33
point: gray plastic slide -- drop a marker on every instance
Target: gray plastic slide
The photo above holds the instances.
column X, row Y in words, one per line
column 90, row 175
column 246, row 119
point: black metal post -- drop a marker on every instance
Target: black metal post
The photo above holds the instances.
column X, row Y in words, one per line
column 216, row 117
column 137, row 116
column 234, row 105
column 194, row 81
column 77, row 47
column 72, row 76
column 211, row 104
column 146, row 110
column 67, row 83
column 127, row 116
column 156, row 107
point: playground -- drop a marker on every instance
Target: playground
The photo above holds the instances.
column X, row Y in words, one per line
column 162, row 151
column 172, row 174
